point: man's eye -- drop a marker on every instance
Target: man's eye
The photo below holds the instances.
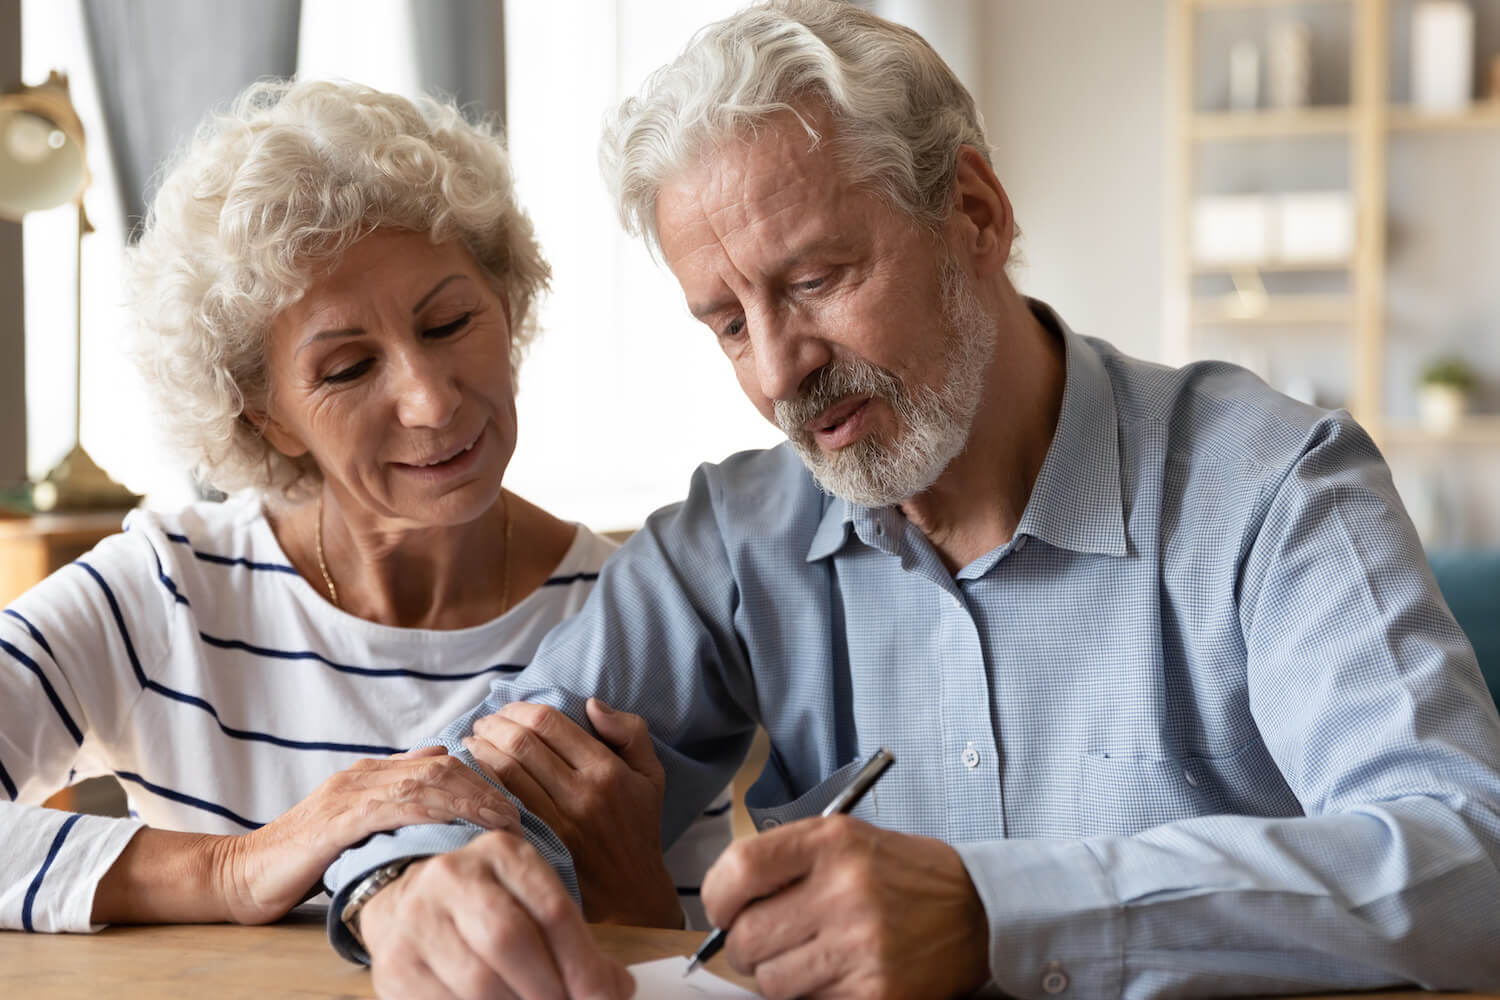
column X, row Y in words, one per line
column 349, row 374
column 811, row 284
column 733, row 328
column 447, row 329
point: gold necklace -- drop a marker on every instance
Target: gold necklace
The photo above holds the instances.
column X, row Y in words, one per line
column 333, row 592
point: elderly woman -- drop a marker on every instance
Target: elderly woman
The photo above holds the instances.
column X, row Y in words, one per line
column 336, row 287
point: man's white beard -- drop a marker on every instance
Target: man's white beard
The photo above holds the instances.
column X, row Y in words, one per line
column 932, row 424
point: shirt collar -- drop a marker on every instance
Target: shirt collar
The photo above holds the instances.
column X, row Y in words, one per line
column 1076, row 501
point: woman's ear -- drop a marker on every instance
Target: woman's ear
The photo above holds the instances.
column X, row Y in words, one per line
column 982, row 212
column 269, row 428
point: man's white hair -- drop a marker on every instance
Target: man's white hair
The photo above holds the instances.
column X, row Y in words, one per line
column 900, row 112
column 262, row 198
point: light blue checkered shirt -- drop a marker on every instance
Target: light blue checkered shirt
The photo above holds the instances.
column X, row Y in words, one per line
column 1204, row 726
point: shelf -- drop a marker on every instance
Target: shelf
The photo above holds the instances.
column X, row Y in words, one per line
column 1271, row 124
column 1482, row 115
column 1273, row 266
column 1217, row 4
column 1310, row 310
column 1475, row 430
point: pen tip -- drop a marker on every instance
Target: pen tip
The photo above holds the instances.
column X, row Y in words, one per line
column 692, row 964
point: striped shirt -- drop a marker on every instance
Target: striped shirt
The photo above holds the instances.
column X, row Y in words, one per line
column 1203, row 726
column 189, row 659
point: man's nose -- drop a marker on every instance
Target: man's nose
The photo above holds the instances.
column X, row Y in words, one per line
column 786, row 352
column 427, row 392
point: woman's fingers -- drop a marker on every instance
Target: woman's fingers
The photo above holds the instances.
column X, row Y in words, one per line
column 628, row 734
column 519, row 747
column 517, row 780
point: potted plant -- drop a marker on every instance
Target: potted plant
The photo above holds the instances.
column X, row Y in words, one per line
column 1444, row 392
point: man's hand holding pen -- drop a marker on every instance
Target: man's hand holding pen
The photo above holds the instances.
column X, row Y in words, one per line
column 833, row 906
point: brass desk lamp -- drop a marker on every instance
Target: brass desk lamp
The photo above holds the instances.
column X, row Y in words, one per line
column 42, row 165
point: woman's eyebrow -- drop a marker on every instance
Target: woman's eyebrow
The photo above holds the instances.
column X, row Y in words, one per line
column 435, row 289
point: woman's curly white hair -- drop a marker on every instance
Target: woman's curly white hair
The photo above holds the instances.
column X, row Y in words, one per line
column 265, row 195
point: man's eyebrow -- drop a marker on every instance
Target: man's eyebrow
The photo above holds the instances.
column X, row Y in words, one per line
column 789, row 260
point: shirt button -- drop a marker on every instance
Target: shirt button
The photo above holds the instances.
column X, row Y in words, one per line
column 1191, row 774
column 1054, row 979
column 970, row 757
column 770, row 823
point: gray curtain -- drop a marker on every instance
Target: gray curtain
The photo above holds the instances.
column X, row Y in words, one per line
column 12, row 300
column 163, row 64
column 460, row 48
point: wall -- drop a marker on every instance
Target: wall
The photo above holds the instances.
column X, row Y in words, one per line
column 1074, row 100
column 12, row 304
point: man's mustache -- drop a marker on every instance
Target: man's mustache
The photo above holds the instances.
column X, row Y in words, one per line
column 829, row 386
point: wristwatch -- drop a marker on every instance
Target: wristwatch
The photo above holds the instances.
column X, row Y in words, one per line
column 365, row 890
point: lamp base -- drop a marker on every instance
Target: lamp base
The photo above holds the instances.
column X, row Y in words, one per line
column 77, row 483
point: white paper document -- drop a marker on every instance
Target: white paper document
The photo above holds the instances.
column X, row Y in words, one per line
column 663, row 980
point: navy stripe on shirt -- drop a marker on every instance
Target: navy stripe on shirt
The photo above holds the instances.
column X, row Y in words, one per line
column 210, row 557
column 188, row 800
column 307, row 654
column 41, row 873
column 10, row 786
column 47, row 689
column 189, row 699
column 35, row 632
column 564, row 581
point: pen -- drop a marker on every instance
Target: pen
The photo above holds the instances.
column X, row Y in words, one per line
column 843, row 802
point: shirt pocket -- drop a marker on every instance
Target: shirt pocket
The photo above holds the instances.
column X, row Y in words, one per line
column 766, row 801
column 1124, row 795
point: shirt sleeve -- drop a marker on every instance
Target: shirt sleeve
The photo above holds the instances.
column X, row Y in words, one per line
column 656, row 635
column 72, row 651
column 1369, row 699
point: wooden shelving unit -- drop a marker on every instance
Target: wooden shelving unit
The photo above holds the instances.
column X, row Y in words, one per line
column 1475, row 430
column 1368, row 123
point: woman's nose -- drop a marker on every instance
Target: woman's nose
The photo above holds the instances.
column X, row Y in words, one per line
column 427, row 393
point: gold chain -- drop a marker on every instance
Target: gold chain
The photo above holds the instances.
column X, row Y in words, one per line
column 333, row 592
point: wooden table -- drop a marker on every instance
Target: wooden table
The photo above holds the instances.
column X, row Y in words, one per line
column 288, row 959
column 31, row 546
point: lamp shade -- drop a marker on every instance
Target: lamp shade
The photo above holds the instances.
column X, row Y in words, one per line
column 42, row 162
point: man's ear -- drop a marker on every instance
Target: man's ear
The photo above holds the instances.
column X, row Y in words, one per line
column 281, row 439
column 982, row 213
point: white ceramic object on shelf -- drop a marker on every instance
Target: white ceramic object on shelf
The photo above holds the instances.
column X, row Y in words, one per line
column 1289, row 80
column 1244, row 76
column 1441, row 408
column 1311, row 226
column 1442, row 55
column 1232, row 229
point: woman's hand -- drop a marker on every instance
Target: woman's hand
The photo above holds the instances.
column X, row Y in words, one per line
column 603, row 801
column 263, row 874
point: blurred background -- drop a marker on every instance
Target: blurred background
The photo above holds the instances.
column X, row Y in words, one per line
column 1309, row 189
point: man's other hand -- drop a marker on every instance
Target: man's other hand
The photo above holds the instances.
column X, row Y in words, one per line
column 490, row 920
column 836, row 907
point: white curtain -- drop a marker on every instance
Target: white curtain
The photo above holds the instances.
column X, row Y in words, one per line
column 624, row 394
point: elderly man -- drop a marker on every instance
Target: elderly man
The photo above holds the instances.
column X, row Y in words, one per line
column 1175, row 704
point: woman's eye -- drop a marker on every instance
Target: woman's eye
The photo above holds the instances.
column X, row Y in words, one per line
column 348, row 374
column 447, row 329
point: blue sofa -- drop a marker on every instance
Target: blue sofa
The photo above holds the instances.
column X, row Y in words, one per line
column 1470, row 582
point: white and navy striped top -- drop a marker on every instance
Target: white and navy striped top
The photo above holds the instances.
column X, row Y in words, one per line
column 188, row 658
